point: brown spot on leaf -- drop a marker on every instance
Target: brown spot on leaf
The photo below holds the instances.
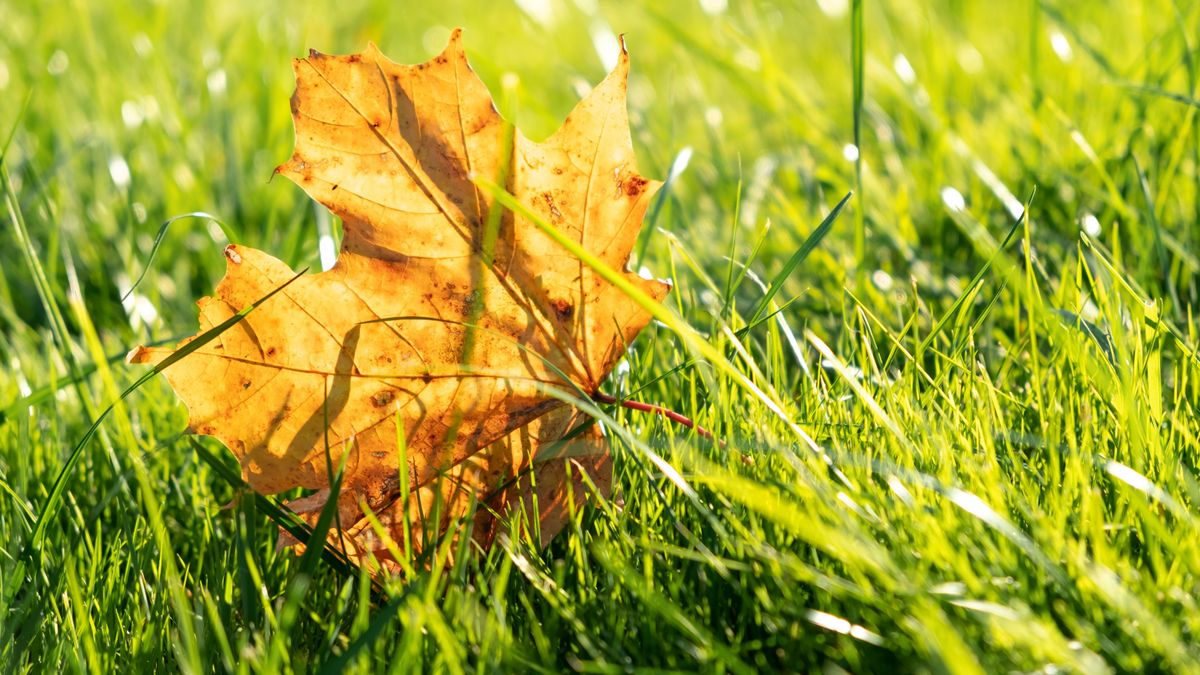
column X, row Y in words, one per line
column 563, row 309
column 635, row 185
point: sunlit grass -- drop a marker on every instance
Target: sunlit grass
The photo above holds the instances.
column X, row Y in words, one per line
column 961, row 433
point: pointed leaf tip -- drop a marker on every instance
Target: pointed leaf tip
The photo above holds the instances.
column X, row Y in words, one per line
column 454, row 47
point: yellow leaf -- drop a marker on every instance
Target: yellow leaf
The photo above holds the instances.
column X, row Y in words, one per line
column 427, row 321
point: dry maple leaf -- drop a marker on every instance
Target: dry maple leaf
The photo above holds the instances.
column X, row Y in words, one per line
column 351, row 359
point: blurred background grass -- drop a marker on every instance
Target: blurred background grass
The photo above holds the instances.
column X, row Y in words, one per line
column 150, row 110
column 1031, row 388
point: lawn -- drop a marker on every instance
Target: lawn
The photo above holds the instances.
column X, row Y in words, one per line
column 958, row 417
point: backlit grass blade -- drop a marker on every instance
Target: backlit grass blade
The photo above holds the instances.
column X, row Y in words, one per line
column 810, row 244
column 162, row 233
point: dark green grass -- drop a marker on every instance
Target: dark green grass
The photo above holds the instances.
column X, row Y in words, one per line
column 963, row 439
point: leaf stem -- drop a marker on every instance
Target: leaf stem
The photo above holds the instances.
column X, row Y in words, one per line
column 601, row 397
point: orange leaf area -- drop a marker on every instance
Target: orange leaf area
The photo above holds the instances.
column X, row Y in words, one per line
column 431, row 333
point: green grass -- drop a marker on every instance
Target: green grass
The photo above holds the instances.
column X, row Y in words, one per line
column 964, row 439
